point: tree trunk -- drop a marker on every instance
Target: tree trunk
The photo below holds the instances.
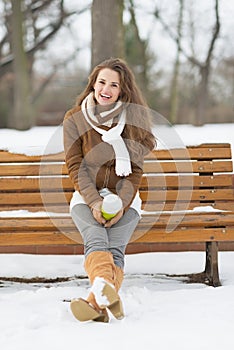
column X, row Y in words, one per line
column 136, row 51
column 22, row 114
column 202, row 96
column 203, row 91
column 107, row 30
column 174, row 84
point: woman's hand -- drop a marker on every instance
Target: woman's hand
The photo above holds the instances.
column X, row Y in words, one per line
column 115, row 219
column 97, row 213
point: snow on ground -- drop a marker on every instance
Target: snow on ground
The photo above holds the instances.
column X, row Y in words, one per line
column 36, row 141
column 209, row 133
column 45, row 140
column 162, row 312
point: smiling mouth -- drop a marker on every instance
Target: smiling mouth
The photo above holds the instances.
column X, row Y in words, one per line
column 105, row 96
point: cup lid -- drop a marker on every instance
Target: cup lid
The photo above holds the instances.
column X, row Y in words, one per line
column 112, row 203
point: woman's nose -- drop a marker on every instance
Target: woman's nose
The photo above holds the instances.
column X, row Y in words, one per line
column 106, row 88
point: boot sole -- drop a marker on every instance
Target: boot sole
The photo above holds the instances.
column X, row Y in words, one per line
column 115, row 304
column 83, row 311
column 117, row 310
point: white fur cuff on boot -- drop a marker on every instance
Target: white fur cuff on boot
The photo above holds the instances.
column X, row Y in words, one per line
column 104, row 292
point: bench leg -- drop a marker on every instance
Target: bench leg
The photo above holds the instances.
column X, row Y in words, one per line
column 211, row 268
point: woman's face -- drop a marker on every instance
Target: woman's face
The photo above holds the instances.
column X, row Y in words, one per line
column 107, row 87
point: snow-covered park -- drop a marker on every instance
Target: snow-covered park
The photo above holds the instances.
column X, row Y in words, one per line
column 162, row 312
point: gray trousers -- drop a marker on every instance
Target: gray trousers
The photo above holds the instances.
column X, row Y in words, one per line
column 96, row 237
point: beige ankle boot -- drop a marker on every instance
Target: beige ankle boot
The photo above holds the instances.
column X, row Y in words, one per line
column 102, row 273
column 119, row 277
column 85, row 310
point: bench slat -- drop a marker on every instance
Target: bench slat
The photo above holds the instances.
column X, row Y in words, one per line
column 7, row 157
column 35, row 198
column 33, row 169
column 187, row 167
column 189, row 235
column 165, row 221
column 159, row 181
column 53, row 208
column 151, row 207
column 189, row 219
column 28, row 184
column 35, row 238
column 186, row 195
column 204, row 151
column 35, row 184
column 172, row 206
column 149, row 167
column 153, row 236
column 152, row 196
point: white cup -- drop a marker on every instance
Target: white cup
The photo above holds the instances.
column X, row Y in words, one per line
column 111, row 206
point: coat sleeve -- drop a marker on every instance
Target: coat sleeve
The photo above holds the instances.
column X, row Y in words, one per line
column 75, row 162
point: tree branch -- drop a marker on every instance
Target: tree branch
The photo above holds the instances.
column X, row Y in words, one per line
column 216, row 31
column 39, row 5
column 3, row 41
column 176, row 38
column 6, row 62
column 42, row 87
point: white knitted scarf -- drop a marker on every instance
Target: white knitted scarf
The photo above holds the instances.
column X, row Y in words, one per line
column 111, row 136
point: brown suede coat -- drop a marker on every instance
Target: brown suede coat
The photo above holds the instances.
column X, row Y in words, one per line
column 91, row 162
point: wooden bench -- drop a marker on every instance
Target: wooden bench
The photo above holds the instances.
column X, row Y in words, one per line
column 175, row 182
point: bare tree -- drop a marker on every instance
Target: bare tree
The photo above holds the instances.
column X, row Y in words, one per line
column 18, row 48
column 22, row 114
column 204, row 67
column 174, row 84
column 42, row 35
column 107, row 30
column 136, row 49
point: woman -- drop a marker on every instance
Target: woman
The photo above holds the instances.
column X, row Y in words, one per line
column 106, row 136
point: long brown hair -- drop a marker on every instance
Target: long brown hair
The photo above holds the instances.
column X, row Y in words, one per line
column 129, row 90
column 138, row 116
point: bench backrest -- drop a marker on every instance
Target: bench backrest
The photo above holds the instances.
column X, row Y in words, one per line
column 176, row 179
